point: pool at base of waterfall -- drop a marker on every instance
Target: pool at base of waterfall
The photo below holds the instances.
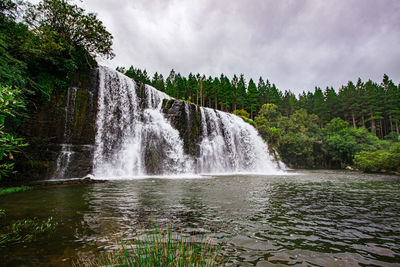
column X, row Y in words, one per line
column 324, row 218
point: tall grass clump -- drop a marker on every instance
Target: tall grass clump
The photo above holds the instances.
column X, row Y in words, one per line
column 161, row 248
column 25, row 230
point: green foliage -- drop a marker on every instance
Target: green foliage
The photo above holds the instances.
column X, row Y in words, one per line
column 393, row 136
column 301, row 142
column 63, row 23
column 11, row 190
column 270, row 113
column 380, row 160
column 266, row 124
column 55, row 41
column 241, row 113
column 43, row 49
column 343, row 142
column 160, row 248
column 249, row 121
column 10, row 103
column 26, row 230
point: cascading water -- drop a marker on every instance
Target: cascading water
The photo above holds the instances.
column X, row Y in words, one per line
column 66, row 153
column 132, row 134
column 134, row 138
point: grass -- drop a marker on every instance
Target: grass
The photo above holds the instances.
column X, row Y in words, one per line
column 26, row 230
column 161, row 248
column 10, row 190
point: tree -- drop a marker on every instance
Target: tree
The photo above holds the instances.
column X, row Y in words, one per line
column 343, row 142
column 392, row 103
column 266, row 124
column 241, row 89
column 252, row 98
column 319, row 106
column 70, row 25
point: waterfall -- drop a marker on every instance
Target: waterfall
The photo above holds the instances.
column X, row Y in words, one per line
column 66, row 152
column 135, row 138
column 132, row 134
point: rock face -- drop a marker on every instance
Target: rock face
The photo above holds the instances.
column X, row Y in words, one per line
column 65, row 121
column 111, row 126
column 186, row 118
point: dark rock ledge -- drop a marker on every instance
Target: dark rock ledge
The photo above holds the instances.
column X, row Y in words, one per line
column 65, row 182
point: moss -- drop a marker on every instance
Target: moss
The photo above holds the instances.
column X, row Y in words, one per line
column 167, row 104
column 82, row 114
column 81, row 102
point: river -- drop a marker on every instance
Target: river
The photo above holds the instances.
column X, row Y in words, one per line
column 325, row 218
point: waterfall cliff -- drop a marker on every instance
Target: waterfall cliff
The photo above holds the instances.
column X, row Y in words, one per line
column 109, row 126
column 142, row 131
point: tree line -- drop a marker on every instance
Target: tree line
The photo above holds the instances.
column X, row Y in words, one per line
column 373, row 105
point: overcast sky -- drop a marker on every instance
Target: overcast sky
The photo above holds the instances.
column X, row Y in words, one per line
column 296, row 44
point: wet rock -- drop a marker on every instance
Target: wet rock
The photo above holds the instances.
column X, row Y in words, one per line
column 65, row 182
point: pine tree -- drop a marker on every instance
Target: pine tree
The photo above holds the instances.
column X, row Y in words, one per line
column 252, row 98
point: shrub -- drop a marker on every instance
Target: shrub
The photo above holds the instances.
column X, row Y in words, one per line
column 241, row 113
column 380, row 160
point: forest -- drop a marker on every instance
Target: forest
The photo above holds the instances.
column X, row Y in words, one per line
column 331, row 128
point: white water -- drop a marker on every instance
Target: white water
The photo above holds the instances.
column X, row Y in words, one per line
column 66, row 153
column 133, row 136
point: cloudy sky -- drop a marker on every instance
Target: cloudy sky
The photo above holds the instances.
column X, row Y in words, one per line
column 296, row 44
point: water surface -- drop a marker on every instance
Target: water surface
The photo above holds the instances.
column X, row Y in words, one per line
column 324, row 218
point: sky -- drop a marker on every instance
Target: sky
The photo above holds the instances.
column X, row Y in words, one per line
column 296, row 44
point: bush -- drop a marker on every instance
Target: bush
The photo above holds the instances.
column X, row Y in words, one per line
column 380, row 160
column 241, row 113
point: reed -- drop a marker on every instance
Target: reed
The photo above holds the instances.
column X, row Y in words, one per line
column 161, row 248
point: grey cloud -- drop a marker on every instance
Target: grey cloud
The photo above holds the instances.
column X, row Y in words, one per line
column 297, row 44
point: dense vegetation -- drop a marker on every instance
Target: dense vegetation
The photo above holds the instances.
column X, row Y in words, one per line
column 43, row 48
column 320, row 129
column 301, row 142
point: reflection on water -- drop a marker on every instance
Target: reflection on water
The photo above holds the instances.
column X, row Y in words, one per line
column 324, row 217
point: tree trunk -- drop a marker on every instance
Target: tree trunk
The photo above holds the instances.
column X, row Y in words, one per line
column 391, row 123
column 354, row 120
column 373, row 127
column 363, row 120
